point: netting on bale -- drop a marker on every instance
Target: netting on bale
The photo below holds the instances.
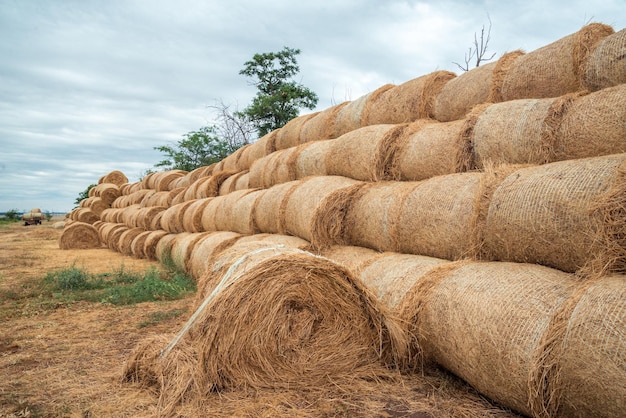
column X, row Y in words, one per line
column 79, row 235
column 349, row 117
column 275, row 318
column 236, row 212
column 567, row 215
column 289, row 135
column 352, row 257
column 204, row 250
column 322, row 125
column 593, row 125
column 267, row 209
column 494, row 315
column 605, row 66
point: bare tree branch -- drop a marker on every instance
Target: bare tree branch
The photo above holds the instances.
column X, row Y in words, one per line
column 479, row 50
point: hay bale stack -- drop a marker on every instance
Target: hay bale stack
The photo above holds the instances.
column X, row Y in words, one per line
column 555, row 69
column 290, row 135
column 267, row 209
column 593, row 125
column 294, row 320
column 150, row 243
column 588, row 344
column 115, row 177
column 568, row 215
column 494, row 316
column 307, row 201
column 206, row 247
column 407, row 102
column 605, row 64
column 365, row 153
column 192, row 216
column 518, row 131
column 322, row 125
column 79, row 235
column 108, row 192
column 428, row 149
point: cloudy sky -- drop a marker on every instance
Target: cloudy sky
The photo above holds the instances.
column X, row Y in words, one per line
column 88, row 87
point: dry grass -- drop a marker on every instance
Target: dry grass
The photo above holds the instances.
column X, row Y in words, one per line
column 67, row 360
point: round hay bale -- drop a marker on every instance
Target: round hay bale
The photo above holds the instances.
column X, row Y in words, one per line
column 59, row 225
column 565, row 215
column 108, row 192
column 242, row 182
column 499, row 74
column 192, row 216
column 207, row 218
column 172, row 218
column 105, row 231
column 182, row 247
column 310, row 159
column 363, row 154
column 114, row 238
column 267, row 209
column 427, row 150
column 137, row 244
column 494, row 316
column 115, row 177
column 299, row 321
column 85, row 215
column 163, row 249
column 322, row 125
column 79, row 235
column 145, row 216
column 229, row 184
column 128, row 215
column 555, row 69
column 308, row 200
column 194, row 191
column 437, row 218
column 234, row 211
column 519, row 131
column 96, row 204
column 256, row 150
column 212, row 186
column 605, row 64
column 126, row 240
column 593, row 125
column 407, row 102
column 205, row 248
column 204, row 171
column 589, row 348
column 390, row 276
column 272, row 169
column 165, row 181
column 150, row 243
column 289, row 135
column 163, row 198
column 349, row 117
column 155, row 222
column 460, row 94
column 109, row 215
column 230, row 162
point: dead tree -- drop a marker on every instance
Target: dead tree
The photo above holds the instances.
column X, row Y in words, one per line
column 479, row 49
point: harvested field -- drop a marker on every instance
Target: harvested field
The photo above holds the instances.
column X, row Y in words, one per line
column 61, row 359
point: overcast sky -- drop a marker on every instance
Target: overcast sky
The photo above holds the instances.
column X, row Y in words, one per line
column 88, row 87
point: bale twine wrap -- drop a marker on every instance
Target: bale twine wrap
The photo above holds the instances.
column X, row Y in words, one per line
column 115, row 177
column 581, row 367
column 593, row 125
column 108, row 192
column 365, row 153
column 289, row 135
column 322, row 125
column 499, row 74
column 494, row 315
column 275, row 317
column 308, row 201
column 79, row 235
column 555, row 69
column 125, row 240
column 205, row 248
column 138, row 243
column 235, row 211
column 605, row 65
column 267, row 209
column 428, row 149
column 150, row 243
column 182, row 247
column 230, row 183
column 519, row 131
column 172, row 218
column 460, row 94
column 567, row 215
column 349, row 256
column 407, row 102
column 289, row 241
column 192, row 216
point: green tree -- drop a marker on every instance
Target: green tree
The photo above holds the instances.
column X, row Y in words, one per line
column 196, row 149
column 84, row 194
column 279, row 98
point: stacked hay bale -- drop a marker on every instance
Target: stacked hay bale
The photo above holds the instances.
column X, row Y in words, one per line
column 492, row 223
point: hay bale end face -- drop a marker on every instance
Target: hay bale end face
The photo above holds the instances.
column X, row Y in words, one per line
column 79, row 235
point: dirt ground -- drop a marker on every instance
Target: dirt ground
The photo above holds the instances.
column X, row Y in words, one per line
column 60, row 359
